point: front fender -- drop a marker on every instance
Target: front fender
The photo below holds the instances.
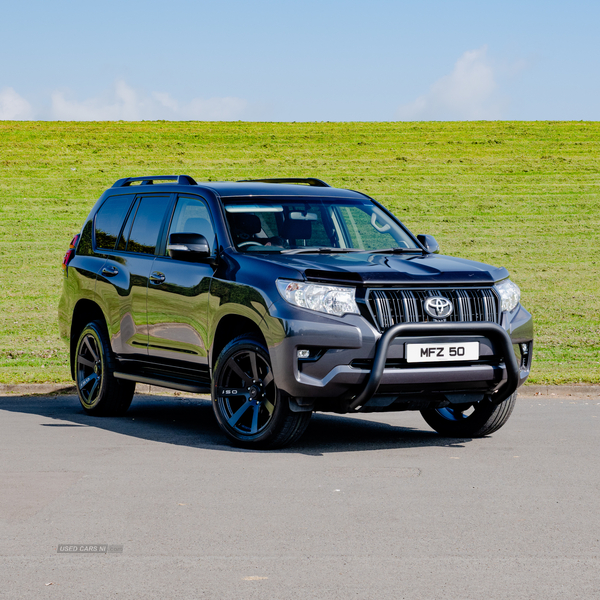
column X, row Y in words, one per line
column 228, row 299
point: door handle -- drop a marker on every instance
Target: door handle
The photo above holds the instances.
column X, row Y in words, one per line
column 110, row 271
column 157, row 278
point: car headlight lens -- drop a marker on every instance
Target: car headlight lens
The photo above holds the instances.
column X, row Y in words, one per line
column 510, row 294
column 329, row 299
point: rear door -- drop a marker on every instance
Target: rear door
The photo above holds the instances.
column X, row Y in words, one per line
column 178, row 290
column 123, row 282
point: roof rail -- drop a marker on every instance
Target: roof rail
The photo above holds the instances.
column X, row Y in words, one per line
column 179, row 180
column 301, row 180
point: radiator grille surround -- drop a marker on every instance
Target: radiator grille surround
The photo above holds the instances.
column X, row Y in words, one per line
column 393, row 306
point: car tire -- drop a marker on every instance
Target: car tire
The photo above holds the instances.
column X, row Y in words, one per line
column 99, row 391
column 250, row 409
column 472, row 420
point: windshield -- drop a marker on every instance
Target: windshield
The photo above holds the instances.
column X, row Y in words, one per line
column 299, row 224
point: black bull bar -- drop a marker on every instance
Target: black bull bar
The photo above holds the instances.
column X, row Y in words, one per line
column 496, row 334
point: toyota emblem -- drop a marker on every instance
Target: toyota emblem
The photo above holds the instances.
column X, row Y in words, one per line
column 438, row 307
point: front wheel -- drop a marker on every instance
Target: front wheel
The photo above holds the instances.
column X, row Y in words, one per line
column 100, row 393
column 473, row 420
column 249, row 408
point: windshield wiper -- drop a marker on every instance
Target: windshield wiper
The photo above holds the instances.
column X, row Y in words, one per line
column 397, row 251
column 322, row 250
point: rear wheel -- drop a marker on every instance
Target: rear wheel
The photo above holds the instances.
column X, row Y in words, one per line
column 100, row 393
column 471, row 420
column 249, row 408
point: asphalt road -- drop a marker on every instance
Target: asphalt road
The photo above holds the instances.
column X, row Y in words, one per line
column 366, row 507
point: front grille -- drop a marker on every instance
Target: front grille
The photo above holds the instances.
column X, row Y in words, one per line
column 390, row 307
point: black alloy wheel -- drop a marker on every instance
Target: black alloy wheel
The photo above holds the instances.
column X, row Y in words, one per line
column 250, row 409
column 89, row 370
column 470, row 420
column 100, row 393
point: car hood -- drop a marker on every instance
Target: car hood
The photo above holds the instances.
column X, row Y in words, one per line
column 385, row 269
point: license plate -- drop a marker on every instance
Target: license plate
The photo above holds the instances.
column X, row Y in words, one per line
column 442, row 352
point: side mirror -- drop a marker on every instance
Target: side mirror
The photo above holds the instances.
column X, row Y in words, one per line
column 430, row 244
column 191, row 247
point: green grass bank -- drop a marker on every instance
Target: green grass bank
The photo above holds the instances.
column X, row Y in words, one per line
column 525, row 195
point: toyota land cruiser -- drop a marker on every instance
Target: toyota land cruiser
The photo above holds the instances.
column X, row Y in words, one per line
column 281, row 298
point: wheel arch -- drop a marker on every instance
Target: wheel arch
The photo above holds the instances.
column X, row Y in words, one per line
column 230, row 327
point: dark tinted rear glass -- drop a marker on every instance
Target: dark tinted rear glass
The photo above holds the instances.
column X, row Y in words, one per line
column 109, row 220
column 147, row 224
column 122, row 245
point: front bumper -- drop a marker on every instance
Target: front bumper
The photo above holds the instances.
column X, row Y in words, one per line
column 498, row 336
column 354, row 365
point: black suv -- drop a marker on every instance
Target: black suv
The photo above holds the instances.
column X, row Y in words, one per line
column 282, row 297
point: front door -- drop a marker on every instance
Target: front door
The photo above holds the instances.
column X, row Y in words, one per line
column 178, row 291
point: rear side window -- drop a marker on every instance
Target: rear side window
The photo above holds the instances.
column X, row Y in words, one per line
column 109, row 220
column 147, row 224
column 122, row 245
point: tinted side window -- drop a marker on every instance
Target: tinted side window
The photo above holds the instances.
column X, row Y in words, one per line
column 191, row 216
column 122, row 245
column 147, row 223
column 109, row 220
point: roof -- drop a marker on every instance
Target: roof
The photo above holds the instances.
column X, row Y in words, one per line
column 244, row 188
column 262, row 188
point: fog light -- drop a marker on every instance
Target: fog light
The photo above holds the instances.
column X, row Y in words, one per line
column 524, row 348
column 303, row 353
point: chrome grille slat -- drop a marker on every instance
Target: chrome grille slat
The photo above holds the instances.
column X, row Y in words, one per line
column 489, row 306
column 392, row 306
column 409, row 302
column 397, row 309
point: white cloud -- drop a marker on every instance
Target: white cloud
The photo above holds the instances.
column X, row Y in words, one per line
column 125, row 103
column 14, row 107
column 212, row 109
column 469, row 92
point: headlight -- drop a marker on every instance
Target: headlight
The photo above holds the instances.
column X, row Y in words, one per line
column 510, row 294
column 329, row 299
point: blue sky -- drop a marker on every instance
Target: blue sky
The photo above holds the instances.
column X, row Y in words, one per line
column 326, row 60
